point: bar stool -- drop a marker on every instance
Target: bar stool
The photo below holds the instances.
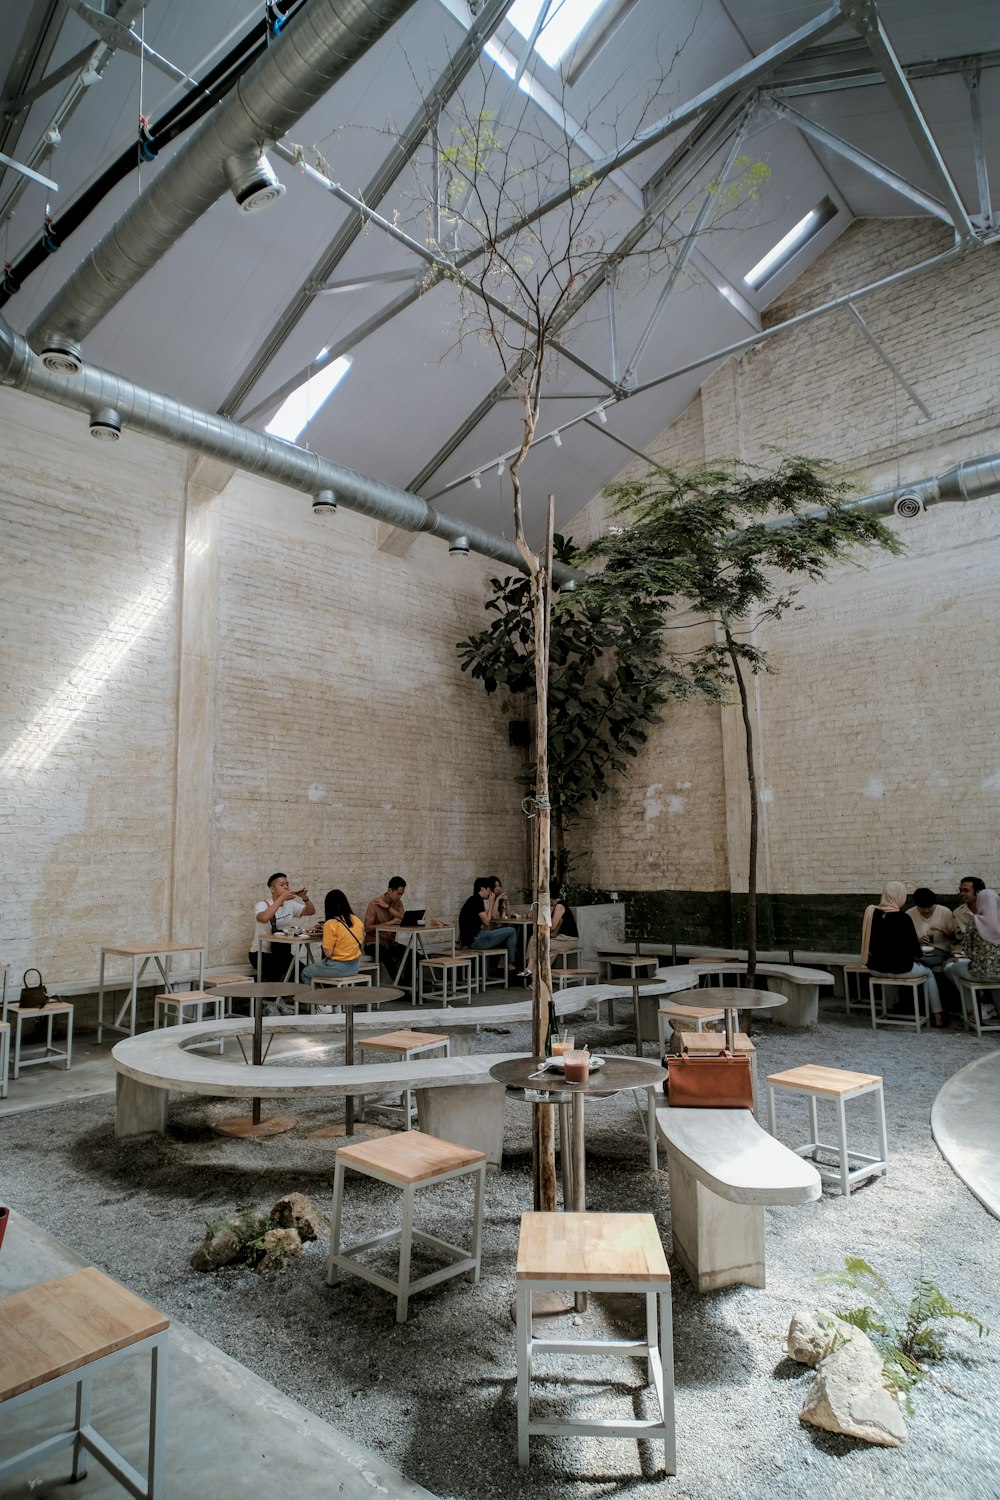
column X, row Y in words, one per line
column 410, row 1161
column 565, row 979
column 48, row 1051
column 211, row 981
column 445, row 977
column 855, row 982
column 839, row 1085
column 189, row 1005
column 405, row 1044
column 4, row 1057
column 698, row 1016
column 479, row 958
column 559, row 957
column 596, row 1253
column 969, row 991
column 917, row 986
column 64, row 1333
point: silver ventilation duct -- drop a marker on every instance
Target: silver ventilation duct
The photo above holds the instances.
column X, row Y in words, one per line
column 316, row 48
column 97, row 391
column 972, row 480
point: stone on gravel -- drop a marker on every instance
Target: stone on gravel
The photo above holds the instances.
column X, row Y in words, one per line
column 814, row 1333
column 297, row 1211
column 281, row 1248
column 849, row 1395
column 219, row 1249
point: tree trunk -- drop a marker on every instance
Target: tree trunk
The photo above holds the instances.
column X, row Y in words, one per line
column 543, row 1130
column 752, row 788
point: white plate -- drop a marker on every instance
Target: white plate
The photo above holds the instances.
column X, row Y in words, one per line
column 558, row 1063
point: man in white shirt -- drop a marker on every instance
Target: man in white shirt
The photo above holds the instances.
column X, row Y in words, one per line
column 968, row 889
column 935, row 926
column 277, row 915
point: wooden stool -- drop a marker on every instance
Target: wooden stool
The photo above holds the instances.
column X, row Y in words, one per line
column 576, row 954
column 968, row 990
column 596, row 1253
column 855, row 982
column 405, row 1044
column 177, row 1003
column 711, row 1043
column 565, row 979
column 212, row 980
column 699, row 1016
column 410, row 1161
column 48, row 1052
column 455, row 975
column 915, row 983
column 63, row 1333
column 4, row 1057
column 636, row 966
column 839, row 1085
column 479, row 959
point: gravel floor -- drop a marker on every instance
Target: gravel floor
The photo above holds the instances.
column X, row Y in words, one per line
column 436, row 1396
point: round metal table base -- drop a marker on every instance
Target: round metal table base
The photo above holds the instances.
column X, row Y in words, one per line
column 337, row 1135
column 243, row 1126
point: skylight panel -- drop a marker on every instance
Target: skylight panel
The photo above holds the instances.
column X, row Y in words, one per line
column 297, row 410
column 564, row 22
column 790, row 244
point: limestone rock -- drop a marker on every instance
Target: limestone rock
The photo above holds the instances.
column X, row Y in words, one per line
column 296, row 1211
column 219, row 1249
column 281, row 1248
column 814, row 1333
column 849, row 1395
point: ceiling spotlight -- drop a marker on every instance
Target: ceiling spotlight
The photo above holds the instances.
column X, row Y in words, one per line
column 557, row 439
column 61, row 355
column 602, row 414
column 252, row 181
column 106, row 425
column 477, row 481
column 324, row 503
column 459, row 546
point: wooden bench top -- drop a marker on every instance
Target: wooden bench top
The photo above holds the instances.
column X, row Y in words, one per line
column 577, row 1248
column 728, row 1152
column 48, row 1330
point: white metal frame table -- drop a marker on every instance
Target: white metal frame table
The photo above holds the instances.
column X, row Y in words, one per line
column 416, row 948
column 158, row 953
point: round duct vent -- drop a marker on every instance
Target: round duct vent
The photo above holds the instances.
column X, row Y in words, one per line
column 252, row 182
column 61, row 355
column 106, row 425
column 908, row 507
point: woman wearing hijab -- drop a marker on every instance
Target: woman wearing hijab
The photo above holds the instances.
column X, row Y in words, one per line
column 889, row 943
column 982, row 947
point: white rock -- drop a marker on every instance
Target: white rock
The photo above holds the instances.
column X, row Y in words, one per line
column 849, row 1395
column 814, row 1333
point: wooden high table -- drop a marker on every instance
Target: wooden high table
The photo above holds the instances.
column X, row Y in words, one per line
column 148, row 953
column 257, row 992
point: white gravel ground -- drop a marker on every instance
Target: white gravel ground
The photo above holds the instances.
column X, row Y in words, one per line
column 436, row 1397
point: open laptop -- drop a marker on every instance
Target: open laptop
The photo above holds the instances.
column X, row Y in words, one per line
column 413, row 918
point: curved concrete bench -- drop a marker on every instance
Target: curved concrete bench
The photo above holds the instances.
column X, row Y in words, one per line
column 800, row 987
column 724, row 1169
column 154, row 1064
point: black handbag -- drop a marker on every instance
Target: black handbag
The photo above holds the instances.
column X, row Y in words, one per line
column 33, row 996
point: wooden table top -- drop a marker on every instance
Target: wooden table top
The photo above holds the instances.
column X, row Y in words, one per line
column 151, row 950
column 62, row 1325
column 585, row 1247
column 618, row 1075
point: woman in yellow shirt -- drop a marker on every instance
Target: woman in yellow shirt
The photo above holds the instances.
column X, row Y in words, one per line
column 343, row 940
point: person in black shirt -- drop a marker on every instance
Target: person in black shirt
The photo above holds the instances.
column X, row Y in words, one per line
column 564, row 934
column 474, row 923
column 889, row 943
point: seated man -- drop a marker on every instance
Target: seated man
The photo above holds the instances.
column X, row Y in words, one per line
column 968, row 890
column 382, row 910
column 935, row 927
column 276, row 915
column 474, row 923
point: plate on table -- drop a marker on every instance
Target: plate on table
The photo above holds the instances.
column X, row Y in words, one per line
column 558, row 1063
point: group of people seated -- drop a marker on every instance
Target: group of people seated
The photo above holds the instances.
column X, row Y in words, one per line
column 346, row 939
column 929, row 938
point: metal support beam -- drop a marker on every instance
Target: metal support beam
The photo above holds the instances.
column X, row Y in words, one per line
column 864, row 16
column 18, row 166
column 971, row 77
column 610, row 282
column 889, row 363
column 883, row 174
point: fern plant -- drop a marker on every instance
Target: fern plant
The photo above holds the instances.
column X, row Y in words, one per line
column 904, row 1333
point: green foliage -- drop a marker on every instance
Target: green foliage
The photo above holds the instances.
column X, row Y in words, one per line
column 904, row 1333
column 606, row 682
column 248, row 1226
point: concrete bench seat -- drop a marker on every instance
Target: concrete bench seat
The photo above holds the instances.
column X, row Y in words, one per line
column 724, row 1170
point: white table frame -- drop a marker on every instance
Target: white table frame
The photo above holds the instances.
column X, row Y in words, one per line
column 418, row 948
column 148, row 953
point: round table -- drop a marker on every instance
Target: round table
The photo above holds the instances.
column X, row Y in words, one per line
column 730, row 998
column 257, row 992
column 619, row 1075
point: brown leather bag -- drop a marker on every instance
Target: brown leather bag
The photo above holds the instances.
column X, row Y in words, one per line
column 721, row 1082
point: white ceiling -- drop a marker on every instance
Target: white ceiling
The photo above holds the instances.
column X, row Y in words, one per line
column 193, row 324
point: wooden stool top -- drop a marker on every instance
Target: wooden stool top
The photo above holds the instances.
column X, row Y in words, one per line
column 54, row 1007
column 184, row 996
column 48, row 1330
column 451, row 959
column 578, row 1248
column 402, row 1041
column 692, row 1012
column 715, row 1041
column 880, row 978
column 211, row 980
column 335, row 982
column 560, row 970
column 411, row 1156
column 830, row 1083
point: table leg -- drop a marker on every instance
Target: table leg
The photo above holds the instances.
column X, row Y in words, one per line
column 566, row 1154
column 349, row 1059
column 100, row 997
column 579, row 1177
column 730, row 1029
column 258, row 1049
column 635, row 1014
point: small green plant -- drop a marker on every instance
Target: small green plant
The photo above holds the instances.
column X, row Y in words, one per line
column 248, row 1226
column 903, row 1333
